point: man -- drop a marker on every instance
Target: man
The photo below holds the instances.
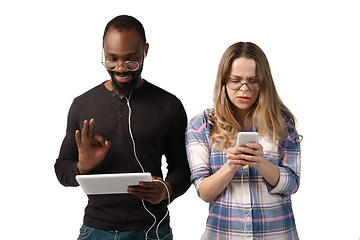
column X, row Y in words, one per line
column 100, row 140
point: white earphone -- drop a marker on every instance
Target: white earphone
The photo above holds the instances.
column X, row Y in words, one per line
column 137, row 159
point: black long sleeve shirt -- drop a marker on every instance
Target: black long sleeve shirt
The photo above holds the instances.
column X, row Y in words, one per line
column 158, row 123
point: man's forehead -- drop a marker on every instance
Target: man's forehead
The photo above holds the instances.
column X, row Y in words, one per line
column 127, row 40
column 114, row 35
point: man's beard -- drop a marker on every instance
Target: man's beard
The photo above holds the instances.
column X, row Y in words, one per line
column 126, row 88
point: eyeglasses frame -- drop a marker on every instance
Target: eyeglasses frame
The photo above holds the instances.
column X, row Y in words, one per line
column 118, row 64
column 241, row 84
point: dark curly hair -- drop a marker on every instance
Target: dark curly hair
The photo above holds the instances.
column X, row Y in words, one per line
column 126, row 23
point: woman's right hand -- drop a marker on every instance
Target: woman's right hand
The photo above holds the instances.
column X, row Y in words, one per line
column 211, row 187
column 233, row 158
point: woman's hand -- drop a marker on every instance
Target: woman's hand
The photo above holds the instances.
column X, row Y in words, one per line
column 211, row 187
column 234, row 161
column 253, row 154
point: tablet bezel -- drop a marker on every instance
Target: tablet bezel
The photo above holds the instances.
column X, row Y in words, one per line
column 117, row 183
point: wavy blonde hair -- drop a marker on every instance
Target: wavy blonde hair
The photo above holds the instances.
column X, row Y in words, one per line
column 268, row 110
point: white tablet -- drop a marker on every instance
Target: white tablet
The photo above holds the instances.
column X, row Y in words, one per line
column 110, row 183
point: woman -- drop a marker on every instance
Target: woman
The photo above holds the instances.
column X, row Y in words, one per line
column 248, row 188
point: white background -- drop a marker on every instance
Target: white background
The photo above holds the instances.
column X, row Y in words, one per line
column 50, row 53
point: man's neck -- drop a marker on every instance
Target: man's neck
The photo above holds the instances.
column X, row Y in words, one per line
column 110, row 87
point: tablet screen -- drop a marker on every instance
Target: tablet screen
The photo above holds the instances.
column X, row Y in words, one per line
column 110, row 183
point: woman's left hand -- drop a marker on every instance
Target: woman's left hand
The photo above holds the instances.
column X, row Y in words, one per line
column 252, row 154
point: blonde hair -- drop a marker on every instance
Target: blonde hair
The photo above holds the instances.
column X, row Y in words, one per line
column 268, row 110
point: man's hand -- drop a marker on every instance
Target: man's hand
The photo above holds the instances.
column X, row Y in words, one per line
column 92, row 149
column 153, row 192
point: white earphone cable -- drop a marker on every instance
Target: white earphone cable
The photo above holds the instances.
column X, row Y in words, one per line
column 242, row 187
column 131, row 135
column 137, row 159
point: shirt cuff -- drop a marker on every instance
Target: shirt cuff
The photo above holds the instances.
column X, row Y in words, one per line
column 282, row 185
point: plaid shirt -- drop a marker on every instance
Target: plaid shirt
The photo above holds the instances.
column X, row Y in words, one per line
column 249, row 207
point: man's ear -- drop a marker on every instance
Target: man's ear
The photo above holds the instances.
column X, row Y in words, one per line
column 146, row 49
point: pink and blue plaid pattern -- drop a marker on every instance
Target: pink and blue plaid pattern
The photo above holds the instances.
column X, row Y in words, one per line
column 249, row 208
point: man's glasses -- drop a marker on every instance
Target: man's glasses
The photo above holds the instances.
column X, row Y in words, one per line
column 114, row 65
column 235, row 84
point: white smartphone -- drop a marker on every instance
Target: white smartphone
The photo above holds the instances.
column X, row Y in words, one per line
column 246, row 137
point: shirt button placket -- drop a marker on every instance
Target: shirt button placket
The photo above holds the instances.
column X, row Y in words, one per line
column 121, row 115
column 121, row 112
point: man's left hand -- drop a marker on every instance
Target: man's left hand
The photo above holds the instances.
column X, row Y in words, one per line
column 153, row 192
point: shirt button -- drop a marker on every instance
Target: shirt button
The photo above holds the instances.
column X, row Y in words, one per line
column 248, row 219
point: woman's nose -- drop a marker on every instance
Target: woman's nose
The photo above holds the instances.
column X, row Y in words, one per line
column 242, row 88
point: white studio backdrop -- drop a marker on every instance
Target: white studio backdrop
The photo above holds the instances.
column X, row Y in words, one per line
column 50, row 53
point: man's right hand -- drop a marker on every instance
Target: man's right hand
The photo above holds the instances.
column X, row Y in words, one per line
column 92, row 148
